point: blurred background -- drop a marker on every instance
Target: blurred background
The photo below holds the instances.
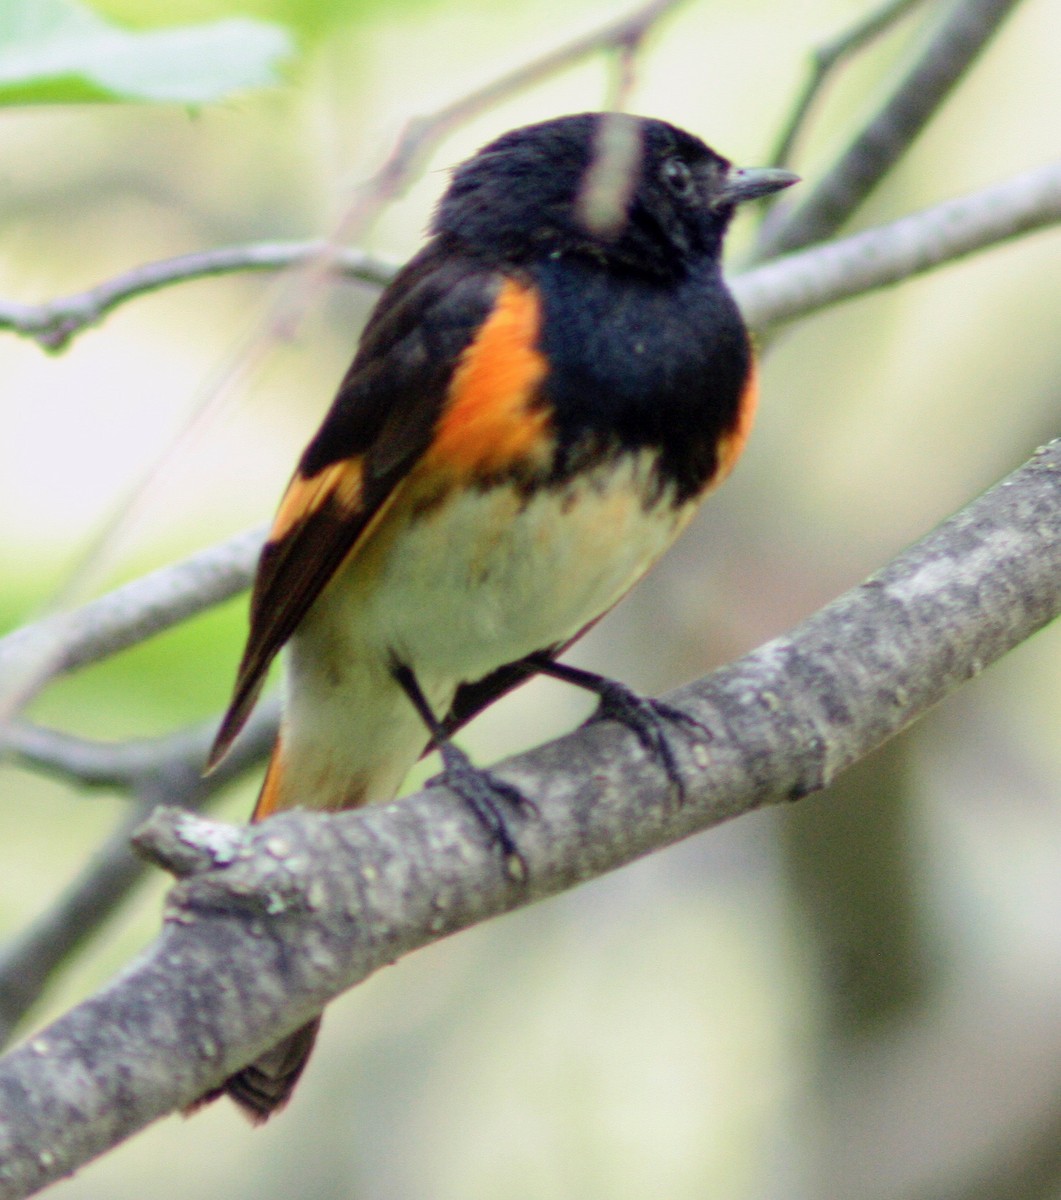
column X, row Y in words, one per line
column 856, row 997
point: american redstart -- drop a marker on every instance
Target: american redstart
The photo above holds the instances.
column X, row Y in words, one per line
column 538, row 403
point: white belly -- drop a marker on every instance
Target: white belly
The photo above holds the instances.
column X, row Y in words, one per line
column 482, row 579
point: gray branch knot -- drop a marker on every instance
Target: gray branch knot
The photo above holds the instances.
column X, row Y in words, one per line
column 225, row 868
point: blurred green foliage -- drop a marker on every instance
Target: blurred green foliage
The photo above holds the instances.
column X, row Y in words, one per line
column 61, row 52
column 310, row 19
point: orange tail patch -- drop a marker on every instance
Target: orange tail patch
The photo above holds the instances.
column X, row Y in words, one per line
column 269, row 796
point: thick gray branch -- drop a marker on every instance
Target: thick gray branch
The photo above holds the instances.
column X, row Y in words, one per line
column 272, row 921
column 166, row 771
column 877, row 148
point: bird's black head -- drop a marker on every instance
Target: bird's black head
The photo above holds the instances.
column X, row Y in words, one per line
column 625, row 191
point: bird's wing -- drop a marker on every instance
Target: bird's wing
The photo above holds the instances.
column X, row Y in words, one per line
column 437, row 376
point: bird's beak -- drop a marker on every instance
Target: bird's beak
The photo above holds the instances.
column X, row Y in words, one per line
column 749, row 183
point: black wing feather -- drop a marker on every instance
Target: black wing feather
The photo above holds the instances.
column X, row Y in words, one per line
column 382, row 419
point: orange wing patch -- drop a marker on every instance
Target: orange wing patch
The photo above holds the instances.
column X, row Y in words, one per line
column 489, row 424
column 289, row 579
column 340, row 482
column 731, row 444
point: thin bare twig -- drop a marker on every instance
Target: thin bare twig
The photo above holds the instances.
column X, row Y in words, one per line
column 341, row 895
column 96, row 764
column 55, row 323
column 422, row 134
column 879, row 146
column 824, row 61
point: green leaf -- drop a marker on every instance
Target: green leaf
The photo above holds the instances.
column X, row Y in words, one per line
column 60, row 52
column 312, row 20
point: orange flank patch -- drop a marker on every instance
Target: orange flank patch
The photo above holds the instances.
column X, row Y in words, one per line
column 341, row 482
column 489, row 423
column 731, row 444
column 269, row 796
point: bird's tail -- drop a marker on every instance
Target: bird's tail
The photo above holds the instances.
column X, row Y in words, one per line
column 264, row 1086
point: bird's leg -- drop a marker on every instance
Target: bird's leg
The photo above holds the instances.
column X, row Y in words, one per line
column 649, row 719
column 491, row 799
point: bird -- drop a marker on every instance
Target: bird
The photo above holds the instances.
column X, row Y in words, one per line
column 539, row 402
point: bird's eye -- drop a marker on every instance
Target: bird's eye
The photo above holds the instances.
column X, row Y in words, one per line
column 678, row 178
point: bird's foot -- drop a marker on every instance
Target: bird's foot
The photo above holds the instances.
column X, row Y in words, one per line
column 492, row 800
column 651, row 721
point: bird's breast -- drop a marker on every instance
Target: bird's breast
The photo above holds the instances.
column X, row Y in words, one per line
column 485, row 575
